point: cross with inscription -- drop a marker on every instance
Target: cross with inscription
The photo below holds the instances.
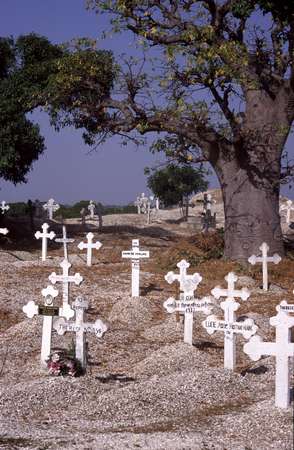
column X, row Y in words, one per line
column 51, row 207
column 48, row 311
column 282, row 349
column 89, row 245
column 45, row 235
column 288, row 207
column 64, row 240
column 182, row 277
column 264, row 259
column 229, row 325
column 65, row 279
column 91, row 208
column 4, row 207
column 135, row 255
column 80, row 328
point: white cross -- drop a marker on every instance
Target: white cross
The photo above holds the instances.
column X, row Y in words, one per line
column 45, row 235
column 183, row 265
column 65, row 279
column 80, row 328
column 288, row 207
column 264, row 259
column 4, row 207
column 51, row 207
column 48, row 311
column 282, row 349
column 138, row 204
column 91, row 208
column 135, row 255
column 89, row 246
column 157, row 203
column 4, row 231
column 229, row 325
column 64, row 240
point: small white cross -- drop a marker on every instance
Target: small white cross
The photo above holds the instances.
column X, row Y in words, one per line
column 282, row 349
column 288, row 207
column 135, row 255
column 4, row 207
column 80, row 328
column 90, row 245
column 182, row 277
column 229, row 325
column 65, row 279
column 91, row 208
column 4, row 231
column 51, row 207
column 45, row 235
column 64, row 240
column 264, row 259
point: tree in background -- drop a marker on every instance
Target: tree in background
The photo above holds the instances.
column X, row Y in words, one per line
column 174, row 184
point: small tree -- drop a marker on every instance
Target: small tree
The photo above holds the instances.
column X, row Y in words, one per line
column 174, row 184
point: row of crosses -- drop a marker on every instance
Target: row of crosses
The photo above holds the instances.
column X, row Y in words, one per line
column 51, row 207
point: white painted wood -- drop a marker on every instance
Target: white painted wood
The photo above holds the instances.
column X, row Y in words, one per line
column 135, row 255
column 282, row 349
column 4, row 207
column 91, row 208
column 229, row 325
column 89, row 245
column 264, row 259
column 65, row 279
column 285, row 307
column 4, row 231
column 157, row 203
column 64, row 240
column 80, row 327
column 51, row 207
column 288, row 207
column 182, row 277
column 45, row 236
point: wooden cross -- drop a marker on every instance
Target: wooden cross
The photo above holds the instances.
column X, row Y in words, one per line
column 288, row 207
column 51, row 207
column 64, row 240
column 282, row 349
column 4, row 207
column 90, row 245
column 80, row 328
column 45, row 235
column 65, row 279
column 135, row 255
column 264, row 259
column 48, row 311
column 229, row 325
column 182, row 277
column 91, row 208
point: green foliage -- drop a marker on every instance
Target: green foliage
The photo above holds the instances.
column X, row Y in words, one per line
column 173, row 183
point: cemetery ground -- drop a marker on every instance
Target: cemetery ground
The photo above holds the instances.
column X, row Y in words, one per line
column 144, row 388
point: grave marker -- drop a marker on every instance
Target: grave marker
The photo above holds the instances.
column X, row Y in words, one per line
column 64, row 240
column 135, row 255
column 229, row 325
column 282, row 349
column 91, row 208
column 182, row 277
column 51, row 207
column 264, row 259
column 45, row 235
column 65, row 279
column 90, row 245
column 48, row 311
column 288, row 207
column 4, row 231
column 285, row 307
column 80, row 328
column 4, row 207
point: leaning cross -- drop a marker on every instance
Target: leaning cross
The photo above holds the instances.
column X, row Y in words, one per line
column 89, row 246
column 64, row 240
column 65, row 279
column 135, row 255
column 45, row 235
column 229, row 325
column 80, row 328
column 51, row 207
column 48, row 311
column 4, row 207
column 282, row 349
column 182, row 277
column 264, row 259
column 91, row 208
column 288, row 207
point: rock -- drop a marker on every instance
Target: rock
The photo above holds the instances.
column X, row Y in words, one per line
column 245, row 281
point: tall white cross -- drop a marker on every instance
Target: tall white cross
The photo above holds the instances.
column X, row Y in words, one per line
column 80, row 328
column 138, row 204
column 4, row 207
column 48, row 311
column 45, row 235
column 182, row 277
column 135, row 255
column 64, row 240
column 229, row 325
column 157, row 203
column 91, row 208
column 51, row 207
column 65, row 279
column 282, row 349
column 264, row 259
column 288, row 207
column 89, row 245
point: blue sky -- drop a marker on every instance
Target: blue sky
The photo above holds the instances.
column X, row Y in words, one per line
column 67, row 171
